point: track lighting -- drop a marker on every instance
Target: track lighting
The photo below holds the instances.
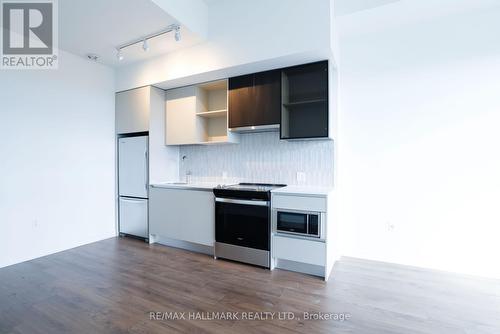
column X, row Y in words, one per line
column 178, row 36
column 119, row 55
column 93, row 56
column 145, row 46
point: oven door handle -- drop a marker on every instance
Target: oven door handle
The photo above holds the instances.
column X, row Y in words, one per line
column 240, row 201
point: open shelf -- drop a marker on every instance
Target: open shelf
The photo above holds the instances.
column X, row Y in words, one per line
column 304, row 102
column 213, row 113
column 305, row 121
column 217, row 140
column 198, row 114
column 304, row 110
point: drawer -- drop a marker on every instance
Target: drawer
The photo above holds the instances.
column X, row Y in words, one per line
column 299, row 250
column 305, row 203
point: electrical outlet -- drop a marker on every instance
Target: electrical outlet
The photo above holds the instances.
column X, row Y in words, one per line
column 224, row 175
column 390, row 226
column 301, row 177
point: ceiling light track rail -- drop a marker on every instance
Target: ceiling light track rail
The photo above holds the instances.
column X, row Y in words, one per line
column 144, row 40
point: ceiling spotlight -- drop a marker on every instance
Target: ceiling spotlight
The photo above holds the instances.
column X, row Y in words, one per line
column 178, row 33
column 145, row 45
column 119, row 55
column 93, row 57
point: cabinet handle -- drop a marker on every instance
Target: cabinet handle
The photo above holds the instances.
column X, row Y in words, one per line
column 240, row 238
column 146, row 170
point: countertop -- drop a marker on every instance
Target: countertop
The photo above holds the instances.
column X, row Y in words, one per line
column 288, row 190
column 303, row 190
column 208, row 186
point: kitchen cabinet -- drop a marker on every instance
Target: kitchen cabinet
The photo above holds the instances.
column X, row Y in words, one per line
column 182, row 214
column 299, row 250
column 255, row 100
column 304, row 110
column 132, row 110
column 183, row 127
column 197, row 114
column 133, row 214
column 302, row 253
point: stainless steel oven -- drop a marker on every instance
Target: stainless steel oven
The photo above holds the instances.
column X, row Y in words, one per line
column 300, row 223
column 243, row 223
column 242, row 230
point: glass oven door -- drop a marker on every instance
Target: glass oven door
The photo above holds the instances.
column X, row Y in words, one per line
column 242, row 223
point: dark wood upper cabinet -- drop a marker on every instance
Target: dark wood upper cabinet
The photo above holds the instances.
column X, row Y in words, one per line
column 304, row 112
column 255, row 99
column 241, row 101
column 267, row 91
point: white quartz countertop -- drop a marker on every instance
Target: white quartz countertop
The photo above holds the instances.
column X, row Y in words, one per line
column 303, row 190
column 208, row 186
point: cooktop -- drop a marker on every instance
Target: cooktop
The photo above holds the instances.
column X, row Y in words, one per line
column 260, row 191
column 252, row 186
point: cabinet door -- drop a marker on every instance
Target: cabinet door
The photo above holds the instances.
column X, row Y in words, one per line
column 182, row 214
column 132, row 110
column 255, row 99
column 133, row 166
column 134, row 216
column 181, row 122
column 241, row 101
column 267, row 98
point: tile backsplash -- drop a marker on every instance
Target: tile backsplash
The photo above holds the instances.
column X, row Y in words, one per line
column 260, row 157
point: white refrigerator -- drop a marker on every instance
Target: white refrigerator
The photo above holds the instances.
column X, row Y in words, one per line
column 133, row 186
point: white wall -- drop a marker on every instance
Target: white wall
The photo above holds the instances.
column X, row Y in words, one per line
column 57, row 148
column 419, row 140
column 261, row 33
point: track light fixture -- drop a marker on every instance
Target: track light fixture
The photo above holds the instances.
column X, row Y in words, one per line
column 177, row 34
column 145, row 45
column 119, row 55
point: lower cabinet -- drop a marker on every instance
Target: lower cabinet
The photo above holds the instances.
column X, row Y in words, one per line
column 133, row 216
column 299, row 250
column 182, row 214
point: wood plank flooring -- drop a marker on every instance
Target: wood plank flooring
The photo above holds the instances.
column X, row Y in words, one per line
column 112, row 286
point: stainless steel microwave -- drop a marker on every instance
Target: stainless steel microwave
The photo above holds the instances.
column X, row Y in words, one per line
column 300, row 223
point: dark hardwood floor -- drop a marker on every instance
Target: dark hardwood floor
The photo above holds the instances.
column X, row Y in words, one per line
column 112, row 286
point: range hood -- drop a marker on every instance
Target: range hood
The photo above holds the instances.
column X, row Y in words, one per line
column 256, row 128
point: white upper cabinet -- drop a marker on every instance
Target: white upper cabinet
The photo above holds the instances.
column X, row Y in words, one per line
column 198, row 115
column 132, row 110
column 183, row 126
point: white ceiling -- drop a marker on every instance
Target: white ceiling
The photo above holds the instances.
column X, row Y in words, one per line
column 424, row 8
column 99, row 26
column 345, row 7
column 403, row 12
